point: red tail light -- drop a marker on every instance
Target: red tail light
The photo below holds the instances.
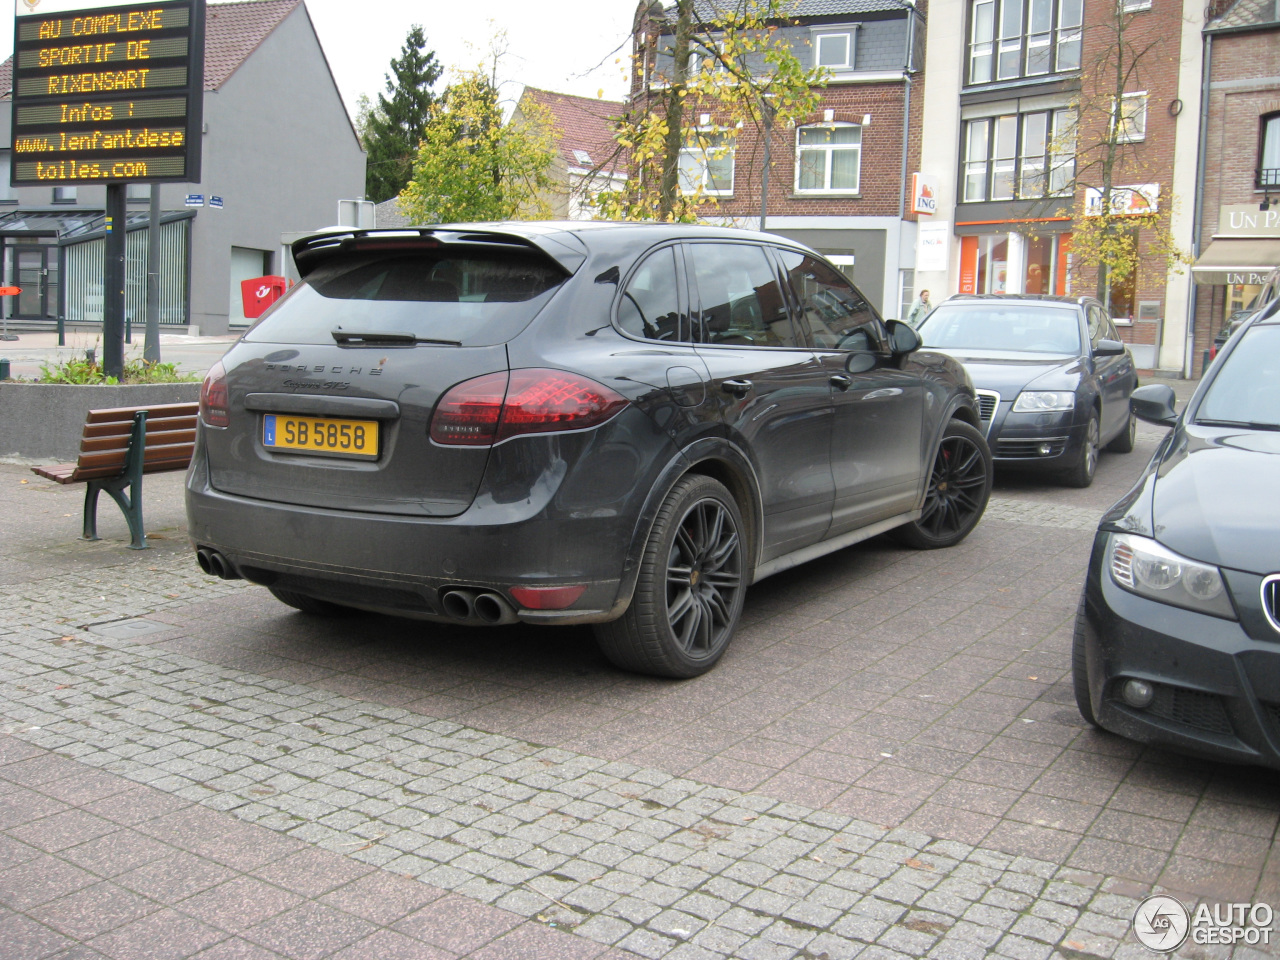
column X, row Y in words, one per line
column 215, row 408
column 497, row 406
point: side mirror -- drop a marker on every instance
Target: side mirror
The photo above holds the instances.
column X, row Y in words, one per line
column 1154, row 403
column 1108, row 348
column 903, row 339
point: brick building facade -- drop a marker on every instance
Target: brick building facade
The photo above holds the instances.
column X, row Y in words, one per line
column 1241, row 169
column 1017, row 106
column 858, row 216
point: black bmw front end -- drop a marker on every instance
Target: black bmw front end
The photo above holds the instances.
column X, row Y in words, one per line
column 1177, row 639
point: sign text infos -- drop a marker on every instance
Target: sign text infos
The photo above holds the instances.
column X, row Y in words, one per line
column 112, row 92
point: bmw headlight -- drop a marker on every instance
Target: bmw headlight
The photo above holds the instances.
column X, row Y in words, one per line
column 1147, row 568
column 1044, row 401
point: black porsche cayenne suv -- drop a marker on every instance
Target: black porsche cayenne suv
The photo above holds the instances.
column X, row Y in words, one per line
column 616, row 424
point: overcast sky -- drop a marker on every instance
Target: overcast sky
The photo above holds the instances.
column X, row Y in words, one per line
column 556, row 46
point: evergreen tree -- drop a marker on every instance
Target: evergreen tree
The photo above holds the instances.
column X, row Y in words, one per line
column 394, row 128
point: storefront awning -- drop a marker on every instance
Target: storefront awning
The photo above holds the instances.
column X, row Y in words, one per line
column 1250, row 261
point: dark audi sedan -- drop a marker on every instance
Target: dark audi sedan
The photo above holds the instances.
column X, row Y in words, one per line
column 1177, row 639
column 620, row 425
column 1051, row 373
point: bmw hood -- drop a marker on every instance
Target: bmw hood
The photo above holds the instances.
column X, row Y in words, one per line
column 1009, row 372
column 1213, row 495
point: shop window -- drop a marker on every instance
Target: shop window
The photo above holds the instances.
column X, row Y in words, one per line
column 1120, row 290
column 990, row 264
column 706, row 164
column 829, row 158
column 1009, row 39
column 1269, row 151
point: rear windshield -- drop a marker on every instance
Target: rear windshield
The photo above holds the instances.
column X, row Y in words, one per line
column 1033, row 328
column 1246, row 390
column 477, row 297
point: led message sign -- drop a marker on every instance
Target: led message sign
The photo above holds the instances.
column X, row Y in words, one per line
column 114, row 92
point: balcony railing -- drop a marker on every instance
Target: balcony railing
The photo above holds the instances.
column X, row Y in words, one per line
column 1267, row 177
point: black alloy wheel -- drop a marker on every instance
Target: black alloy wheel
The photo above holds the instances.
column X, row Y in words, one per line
column 690, row 587
column 959, row 487
column 1081, row 473
column 1125, row 439
column 1080, row 667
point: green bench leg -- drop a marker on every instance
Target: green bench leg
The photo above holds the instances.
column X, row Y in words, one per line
column 125, row 490
column 91, row 511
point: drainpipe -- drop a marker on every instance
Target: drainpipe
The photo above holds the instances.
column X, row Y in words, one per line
column 906, row 107
column 1188, row 359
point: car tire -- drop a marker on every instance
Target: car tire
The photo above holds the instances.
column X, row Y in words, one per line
column 1123, row 442
column 317, row 608
column 1080, row 668
column 689, row 591
column 959, row 487
column 1081, row 473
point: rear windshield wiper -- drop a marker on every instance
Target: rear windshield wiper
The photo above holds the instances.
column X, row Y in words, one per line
column 1247, row 424
column 388, row 337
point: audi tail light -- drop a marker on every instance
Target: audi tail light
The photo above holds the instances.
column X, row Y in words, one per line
column 497, row 406
column 215, row 407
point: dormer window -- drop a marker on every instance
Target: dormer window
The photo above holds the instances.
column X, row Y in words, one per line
column 834, row 50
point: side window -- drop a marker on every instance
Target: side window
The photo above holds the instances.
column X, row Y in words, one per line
column 835, row 312
column 1097, row 324
column 650, row 307
column 740, row 296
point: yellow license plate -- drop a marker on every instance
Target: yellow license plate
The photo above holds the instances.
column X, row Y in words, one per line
column 323, row 435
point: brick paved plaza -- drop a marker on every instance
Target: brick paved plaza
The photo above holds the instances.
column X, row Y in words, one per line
column 888, row 763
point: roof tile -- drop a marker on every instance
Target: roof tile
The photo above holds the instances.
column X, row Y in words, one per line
column 584, row 126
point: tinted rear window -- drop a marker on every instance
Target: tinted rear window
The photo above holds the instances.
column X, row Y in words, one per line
column 474, row 296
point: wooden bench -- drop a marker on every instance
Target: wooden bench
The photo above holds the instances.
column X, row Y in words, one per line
column 120, row 445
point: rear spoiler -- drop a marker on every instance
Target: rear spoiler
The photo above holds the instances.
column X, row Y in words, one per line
column 562, row 247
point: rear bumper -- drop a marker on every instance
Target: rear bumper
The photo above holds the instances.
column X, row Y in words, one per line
column 401, row 565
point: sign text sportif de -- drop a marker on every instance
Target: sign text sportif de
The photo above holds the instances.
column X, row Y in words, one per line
column 107, row 91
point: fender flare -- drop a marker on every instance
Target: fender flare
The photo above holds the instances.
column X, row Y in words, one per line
column 961, row 401
column 684, row 462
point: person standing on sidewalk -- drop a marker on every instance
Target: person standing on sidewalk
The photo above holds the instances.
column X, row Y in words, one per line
column 920, row 309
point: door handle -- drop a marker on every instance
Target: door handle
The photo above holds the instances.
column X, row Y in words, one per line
column 841, row 382
column 739, row 388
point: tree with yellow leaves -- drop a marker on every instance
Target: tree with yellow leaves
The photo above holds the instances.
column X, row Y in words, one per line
column 472, row 167
column 732, row 66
